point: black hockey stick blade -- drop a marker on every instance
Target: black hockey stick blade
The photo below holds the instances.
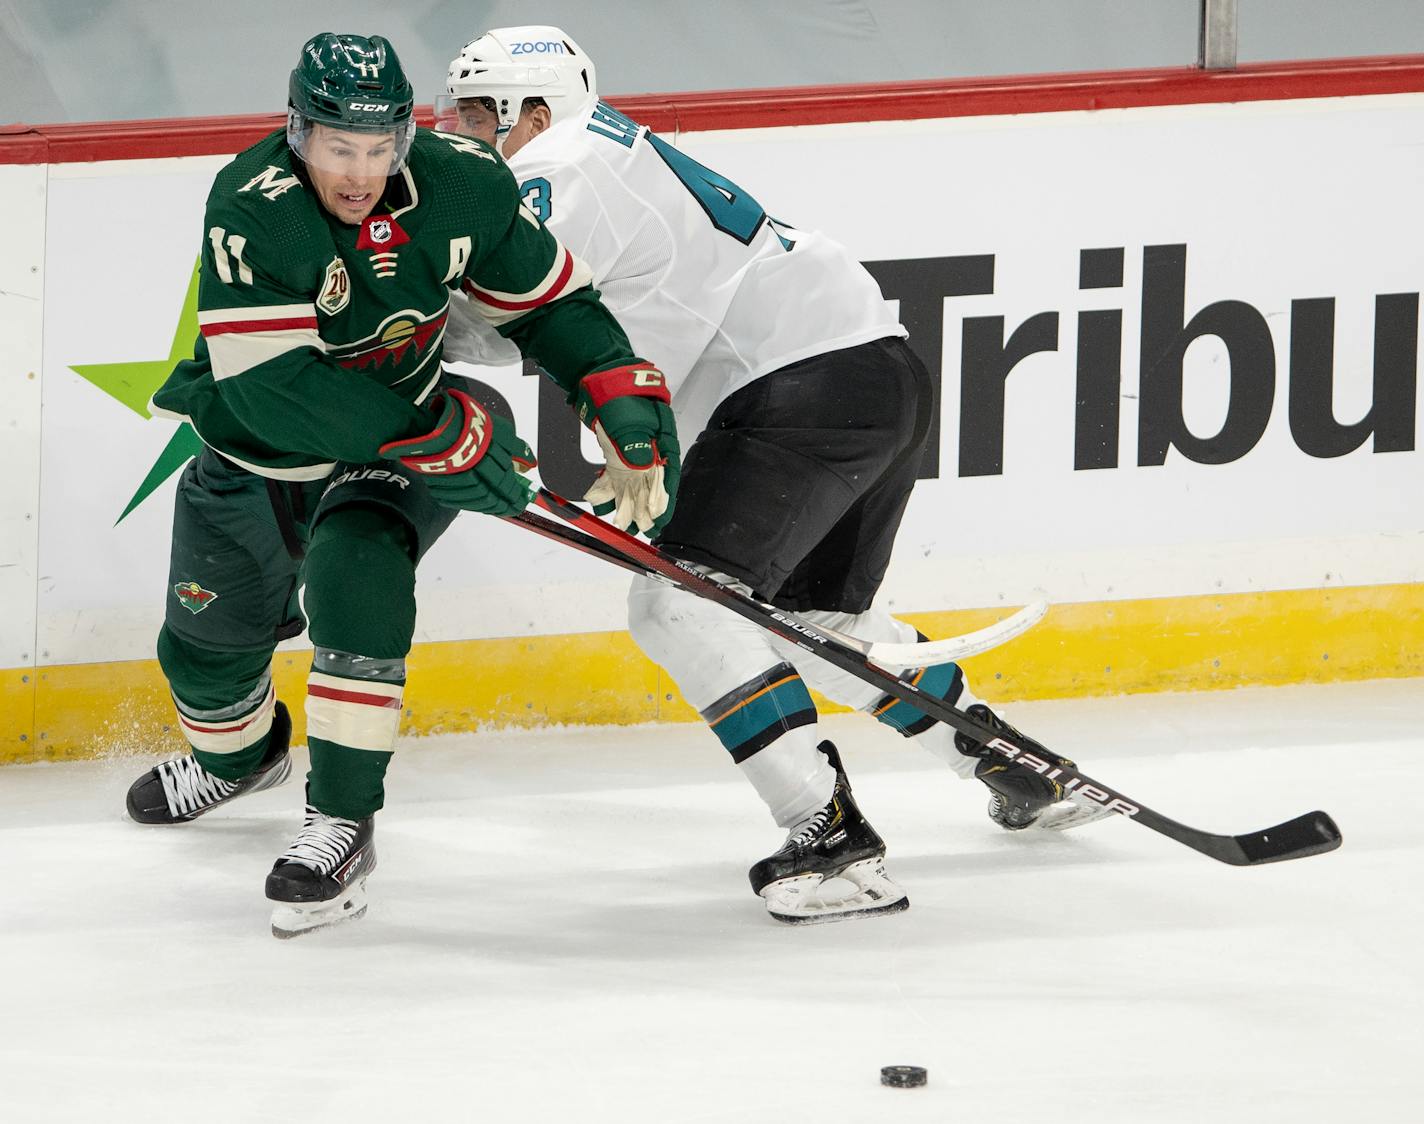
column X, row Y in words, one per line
column 1311, row 834
column 1314, row 833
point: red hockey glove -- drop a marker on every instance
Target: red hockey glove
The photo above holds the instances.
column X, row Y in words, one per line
column 629, row 410
column 472, row 459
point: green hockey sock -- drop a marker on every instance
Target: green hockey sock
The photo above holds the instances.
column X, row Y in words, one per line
column 346, row 782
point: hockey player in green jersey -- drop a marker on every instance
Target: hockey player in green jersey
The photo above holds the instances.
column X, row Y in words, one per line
column 336, row 451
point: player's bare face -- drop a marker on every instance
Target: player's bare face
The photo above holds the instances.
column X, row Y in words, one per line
column 349, row 170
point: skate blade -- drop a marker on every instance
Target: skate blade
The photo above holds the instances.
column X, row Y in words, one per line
column 292, row 920
column 799, row 900
column 1068, row 814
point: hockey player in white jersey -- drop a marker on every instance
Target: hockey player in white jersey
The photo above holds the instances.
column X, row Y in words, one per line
column 806, row 415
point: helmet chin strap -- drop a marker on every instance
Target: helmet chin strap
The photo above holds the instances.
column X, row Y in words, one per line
column 501, row 134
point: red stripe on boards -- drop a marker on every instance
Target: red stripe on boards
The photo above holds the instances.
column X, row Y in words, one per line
column 795, row 105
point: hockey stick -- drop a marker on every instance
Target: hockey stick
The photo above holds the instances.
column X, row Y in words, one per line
column 1314, row 833
column 884, row 653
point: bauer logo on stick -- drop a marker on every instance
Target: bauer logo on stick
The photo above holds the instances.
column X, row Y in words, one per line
column 1073, row 785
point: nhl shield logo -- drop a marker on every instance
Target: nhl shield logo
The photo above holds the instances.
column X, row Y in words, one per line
column 335, row 288
column 380, row 231
column 194, row 597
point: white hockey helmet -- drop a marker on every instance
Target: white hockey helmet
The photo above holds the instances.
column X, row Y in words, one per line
column 511, row 64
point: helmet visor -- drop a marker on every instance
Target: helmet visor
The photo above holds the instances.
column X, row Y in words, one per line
column 477, row 117
column 357, row 152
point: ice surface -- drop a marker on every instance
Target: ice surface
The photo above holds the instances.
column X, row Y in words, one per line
column 561, row 929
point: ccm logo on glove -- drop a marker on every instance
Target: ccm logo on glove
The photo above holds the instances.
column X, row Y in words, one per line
column 471, row 439
column 600, row 388
column 472, row 459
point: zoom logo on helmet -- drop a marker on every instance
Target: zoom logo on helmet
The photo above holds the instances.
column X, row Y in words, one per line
column 350, row 106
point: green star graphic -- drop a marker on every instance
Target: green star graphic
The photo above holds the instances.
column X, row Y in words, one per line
column 133, row 385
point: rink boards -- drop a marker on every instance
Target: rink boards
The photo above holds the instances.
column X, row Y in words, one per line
column 1177, row 348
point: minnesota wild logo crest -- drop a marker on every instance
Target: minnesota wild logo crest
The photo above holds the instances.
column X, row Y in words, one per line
column 401, row 334
column 194, row 597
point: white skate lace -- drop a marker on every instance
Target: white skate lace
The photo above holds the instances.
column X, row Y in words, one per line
column 323, row 843
column 811, row 828
column 187, row 786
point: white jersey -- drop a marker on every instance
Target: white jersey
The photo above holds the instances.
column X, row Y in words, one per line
column 706, row 285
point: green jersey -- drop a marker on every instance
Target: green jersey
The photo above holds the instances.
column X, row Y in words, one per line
column 319, row 340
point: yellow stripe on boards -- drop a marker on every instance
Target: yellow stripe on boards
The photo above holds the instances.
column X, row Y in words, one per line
column 1204, row 643
column 1106, row 648
column 17, row 715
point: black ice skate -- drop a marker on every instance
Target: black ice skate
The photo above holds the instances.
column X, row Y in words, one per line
column 180, row 790
column 1019, row 797
column 835, row 843
column 321, row 878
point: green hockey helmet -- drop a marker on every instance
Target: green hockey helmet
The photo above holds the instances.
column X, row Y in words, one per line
column 352, row 84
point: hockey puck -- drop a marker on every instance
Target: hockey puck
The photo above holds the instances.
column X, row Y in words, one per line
column 903, row 1076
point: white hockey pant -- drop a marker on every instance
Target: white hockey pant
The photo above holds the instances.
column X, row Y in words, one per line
column 876, row 624
column 753, row 700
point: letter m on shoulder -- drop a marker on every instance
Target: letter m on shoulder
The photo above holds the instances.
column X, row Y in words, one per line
column 270, row 183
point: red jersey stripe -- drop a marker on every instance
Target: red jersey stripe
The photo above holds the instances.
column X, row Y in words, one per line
column 216, row 729
column 295, row 323
column 353, row 697
column 520, row 306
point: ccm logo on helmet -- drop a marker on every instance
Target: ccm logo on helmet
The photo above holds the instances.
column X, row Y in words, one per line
column 368, row 106
column 545, row 48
